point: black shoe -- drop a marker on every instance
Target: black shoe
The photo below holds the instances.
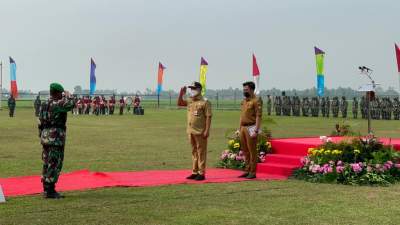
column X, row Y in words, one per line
column 192, row 177
column 200, row 177
column 54, row 195
column 251, row 176
column 243, row 175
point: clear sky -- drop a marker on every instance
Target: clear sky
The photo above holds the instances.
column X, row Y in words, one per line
column 53, row 40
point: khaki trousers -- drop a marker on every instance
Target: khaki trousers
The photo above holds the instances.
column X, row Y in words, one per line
column 199, row 153
column 249, row 148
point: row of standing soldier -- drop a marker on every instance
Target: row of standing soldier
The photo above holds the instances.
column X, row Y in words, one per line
column 382, row 108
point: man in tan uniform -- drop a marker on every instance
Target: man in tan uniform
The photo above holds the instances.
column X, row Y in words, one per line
column 198, row 127
column 250, row 122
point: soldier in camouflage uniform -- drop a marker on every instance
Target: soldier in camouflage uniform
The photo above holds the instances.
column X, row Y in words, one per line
column 335, row 107
column 11, row 105
column 327, row 106
column 363, row 106
column 306, row 106
column 52, row 131
column 396, row 108
column 278, row 109
column 355, row 108
column 37, row 104
column 269, row 105
column 343, row 107
column 322, row 106
column 378, row 107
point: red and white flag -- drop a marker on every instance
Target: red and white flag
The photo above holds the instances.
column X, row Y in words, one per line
column 397, row 58
column 256, row 75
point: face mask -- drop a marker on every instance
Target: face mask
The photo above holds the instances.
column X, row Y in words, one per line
column 246, row 94
column 193, row 93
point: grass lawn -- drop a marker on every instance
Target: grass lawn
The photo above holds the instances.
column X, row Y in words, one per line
column 158, row 141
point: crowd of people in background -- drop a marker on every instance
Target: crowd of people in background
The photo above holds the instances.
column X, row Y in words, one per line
column 100, row 105
column 380, row 108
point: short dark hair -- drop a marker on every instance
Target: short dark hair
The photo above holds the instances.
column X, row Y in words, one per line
column 250, row 84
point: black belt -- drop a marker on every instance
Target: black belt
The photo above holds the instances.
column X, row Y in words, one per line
column 248, row 124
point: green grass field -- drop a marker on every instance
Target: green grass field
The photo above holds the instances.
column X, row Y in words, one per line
column 158, row 141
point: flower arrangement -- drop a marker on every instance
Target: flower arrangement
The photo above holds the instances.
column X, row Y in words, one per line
column 234, row 158
column 358, row 161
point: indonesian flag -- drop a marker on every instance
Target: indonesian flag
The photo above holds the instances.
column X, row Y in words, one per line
column 256, row 75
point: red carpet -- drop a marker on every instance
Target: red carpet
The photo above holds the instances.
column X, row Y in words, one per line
column 84, row 179
column 277, row 166
column 288, row 152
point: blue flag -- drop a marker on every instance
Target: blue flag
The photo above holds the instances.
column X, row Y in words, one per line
column 92, row 76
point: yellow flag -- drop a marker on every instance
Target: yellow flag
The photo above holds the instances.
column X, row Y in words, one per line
column 203, row 77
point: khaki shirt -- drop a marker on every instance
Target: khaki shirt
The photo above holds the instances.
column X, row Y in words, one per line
column 198, row 110
column 250, row 109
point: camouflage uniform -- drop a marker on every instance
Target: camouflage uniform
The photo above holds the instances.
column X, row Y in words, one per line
column 355, row 108
column 306, row 106
column 327, row 107
column 269, row 105
column 396, row 108
column 363, row 108
column 11, row 105
column 37, row 104
column 52, row 131
column 335, row 107
column 322, row 106
column 343, row 107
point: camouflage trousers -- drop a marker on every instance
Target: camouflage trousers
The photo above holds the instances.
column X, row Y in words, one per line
column 53, row 157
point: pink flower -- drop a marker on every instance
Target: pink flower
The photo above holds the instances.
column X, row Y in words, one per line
column 397, row 165
column 356, row 167
column 238, row 158
column 388, row 165
column 224, row 156
column 339, row 163
column 339, row 169
column 315, row 168
column 369, row 169
column 305, row 161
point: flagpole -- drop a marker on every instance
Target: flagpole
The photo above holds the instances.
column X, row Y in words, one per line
column 158, row 99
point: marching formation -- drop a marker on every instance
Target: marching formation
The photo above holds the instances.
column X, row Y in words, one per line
column 381, row 108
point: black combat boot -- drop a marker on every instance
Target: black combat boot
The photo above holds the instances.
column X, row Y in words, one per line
column 45, row 189
column 52, row 193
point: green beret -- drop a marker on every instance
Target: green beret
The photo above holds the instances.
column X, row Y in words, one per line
column 56, row 87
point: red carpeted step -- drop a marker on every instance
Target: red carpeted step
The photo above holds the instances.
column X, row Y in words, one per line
column 283, row 159
column 276, row 169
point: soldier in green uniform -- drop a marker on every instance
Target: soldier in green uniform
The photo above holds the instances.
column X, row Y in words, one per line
column 396, row 108
column 323, row 106
column 363, row 106
column 355, row 108
column 343, row 107
column 11, row 105
column 52, row 131
column 327, row 106
column 37, row 104
column 269, row 104
column 335, row 107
